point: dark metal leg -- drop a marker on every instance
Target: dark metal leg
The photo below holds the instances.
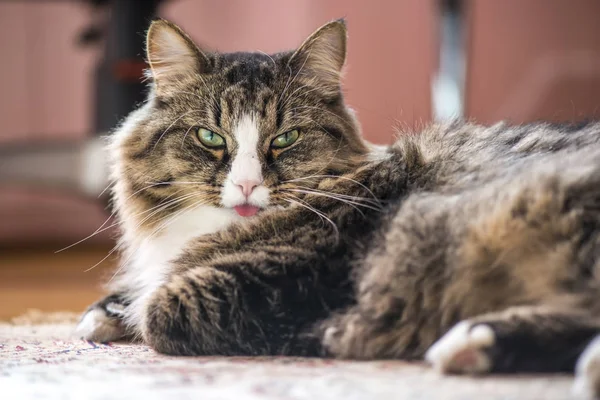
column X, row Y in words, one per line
column 119, row 86
column 80, row 167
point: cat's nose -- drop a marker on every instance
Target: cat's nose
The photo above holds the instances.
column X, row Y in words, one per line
column 248, row 186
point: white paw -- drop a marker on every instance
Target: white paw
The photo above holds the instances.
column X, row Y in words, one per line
column 587, row 373
column 461, row 350
column 98, row 327
column 329, row 335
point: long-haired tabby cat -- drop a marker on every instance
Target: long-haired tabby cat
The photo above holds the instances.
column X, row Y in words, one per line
column 256, row 220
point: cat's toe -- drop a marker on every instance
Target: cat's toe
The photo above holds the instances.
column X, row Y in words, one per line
column 587, row 373
column 96, row 325
column 337, row 336
column 463, row 349
column 329, row 335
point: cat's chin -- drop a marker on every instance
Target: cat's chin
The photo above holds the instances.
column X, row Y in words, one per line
column 246, row 210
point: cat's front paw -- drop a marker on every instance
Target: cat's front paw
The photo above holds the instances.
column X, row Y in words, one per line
column 103, row 321
column 463, row 349
column 172, row 323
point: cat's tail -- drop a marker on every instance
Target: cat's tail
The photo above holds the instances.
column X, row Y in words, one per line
column 587, row 373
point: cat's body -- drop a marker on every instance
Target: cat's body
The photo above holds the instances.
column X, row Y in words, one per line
column 349, row 250
column 499, row 218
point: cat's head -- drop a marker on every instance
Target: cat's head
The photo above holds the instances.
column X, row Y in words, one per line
column 234, row 131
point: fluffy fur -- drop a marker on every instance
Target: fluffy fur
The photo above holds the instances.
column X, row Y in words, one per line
column 480, row 244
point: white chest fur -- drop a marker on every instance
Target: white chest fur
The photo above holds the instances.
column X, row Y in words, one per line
column 150, row 261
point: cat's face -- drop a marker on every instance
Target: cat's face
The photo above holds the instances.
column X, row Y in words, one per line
column 239, row 131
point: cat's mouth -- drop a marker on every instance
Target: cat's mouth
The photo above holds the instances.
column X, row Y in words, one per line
column 246, row 210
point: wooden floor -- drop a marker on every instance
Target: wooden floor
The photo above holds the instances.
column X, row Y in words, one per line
column 48, row 281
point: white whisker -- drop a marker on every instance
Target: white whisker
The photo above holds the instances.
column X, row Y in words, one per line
column 373, row 202
column 334, row 177
column 262, row 52
column 171, row 125
column 335, row 197
column 105, row 189
column 291, row 95
column 341, row 200
column 319, row 213
column 343, row 120
column 101, row 228
column 157, row 209
column 170, row 219
column 289, row 83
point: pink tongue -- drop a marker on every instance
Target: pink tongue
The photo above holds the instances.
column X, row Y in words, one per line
column 246, row 210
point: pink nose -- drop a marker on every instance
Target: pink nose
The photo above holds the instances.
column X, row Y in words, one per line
column 247, row 187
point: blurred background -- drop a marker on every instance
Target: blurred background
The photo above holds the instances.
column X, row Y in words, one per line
column 71, row 70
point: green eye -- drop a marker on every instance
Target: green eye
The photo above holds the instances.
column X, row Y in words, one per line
column 286, row 139
column 209, row 138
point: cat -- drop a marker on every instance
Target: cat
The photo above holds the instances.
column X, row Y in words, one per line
column 256, row 221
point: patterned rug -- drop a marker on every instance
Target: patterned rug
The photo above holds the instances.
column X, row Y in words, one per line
column 40, row 359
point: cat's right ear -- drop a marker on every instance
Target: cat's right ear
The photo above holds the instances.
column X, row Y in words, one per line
column 171, row 54
column 322, row 56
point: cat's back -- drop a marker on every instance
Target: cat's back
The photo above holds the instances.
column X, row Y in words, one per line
column 459, row 153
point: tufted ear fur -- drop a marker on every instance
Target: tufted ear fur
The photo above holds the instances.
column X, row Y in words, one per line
column 322, row 55
column 171, row 53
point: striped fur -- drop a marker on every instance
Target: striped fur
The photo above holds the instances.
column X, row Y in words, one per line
column 478, row 243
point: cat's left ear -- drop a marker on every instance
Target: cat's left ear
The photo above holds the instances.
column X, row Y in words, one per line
column 172, row 54
column 322, row 55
